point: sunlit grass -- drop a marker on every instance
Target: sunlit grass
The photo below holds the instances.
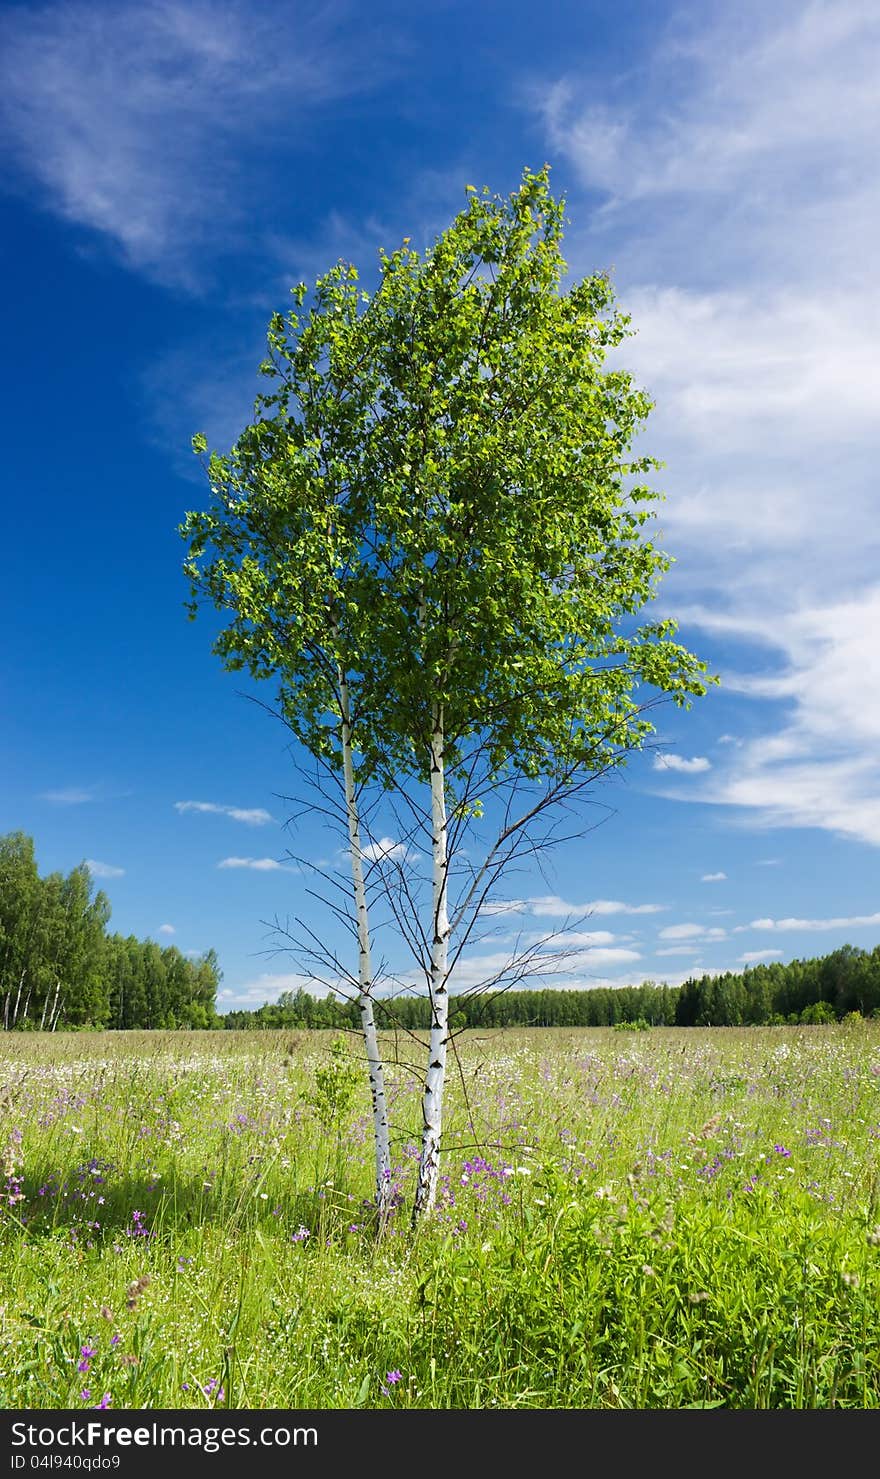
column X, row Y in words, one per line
column 662, row 1219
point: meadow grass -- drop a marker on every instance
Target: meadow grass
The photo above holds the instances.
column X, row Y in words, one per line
column 675, row 1218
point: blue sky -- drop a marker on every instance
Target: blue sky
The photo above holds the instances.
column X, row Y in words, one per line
column 170, row 170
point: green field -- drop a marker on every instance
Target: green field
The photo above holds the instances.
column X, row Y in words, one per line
column 672, row 1218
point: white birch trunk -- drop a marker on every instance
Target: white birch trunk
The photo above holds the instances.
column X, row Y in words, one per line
column 45, row 1005
column 17, row 998
column 365, row 968
column 56, row 1007
column 432, row 1099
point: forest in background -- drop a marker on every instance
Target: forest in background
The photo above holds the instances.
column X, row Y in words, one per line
column 61, row 968
column 803, row 991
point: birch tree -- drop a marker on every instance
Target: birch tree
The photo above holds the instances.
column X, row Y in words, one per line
column 434, row 539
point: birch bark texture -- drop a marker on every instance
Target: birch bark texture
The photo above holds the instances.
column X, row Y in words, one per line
column 433, row 538
column 375, row 1065
column 432, row 1097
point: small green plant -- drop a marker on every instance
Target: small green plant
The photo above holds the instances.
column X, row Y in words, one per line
column 639, row 1024
column 336, row 1085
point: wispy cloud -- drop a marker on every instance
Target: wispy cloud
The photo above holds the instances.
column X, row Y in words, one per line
column 692, row 932
column 612, row 955
column 386, row 850
column 103, row 870
column 855, row 921
column 713, row 877
column 259, row 865
column 819, row 767
column 551, row 906
column 738, row 200
column 573, row 939
column 738, row 122
column 678, row 763
column 254, row 816
column 167, row 929
column 475, row 969
column 267, row 987
column 148, row 122
column 69, row 796
column 752, row 957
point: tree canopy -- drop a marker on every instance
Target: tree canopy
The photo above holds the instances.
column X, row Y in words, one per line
column 438, row 492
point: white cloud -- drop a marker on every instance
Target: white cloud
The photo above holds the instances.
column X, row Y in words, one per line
column 626, row 978
column 740, row 203
column 254, row 816
column 754, row 376
column 69, row 796
column 573, row 939
column 682, row 932
column 145, row 122
column 678, row 763
column 260, row 865
column 751, row 957
column 267, row 987
column 167, row 929
column 474, row 970
column 713, row 878
column 737, row 122
column 552, row 906
column 103, row 870
column 692, row 932
column 504, row 906
column 820, row 767
column 385, row 849
column 611, row 956
column 680, row 950
column 855, row 921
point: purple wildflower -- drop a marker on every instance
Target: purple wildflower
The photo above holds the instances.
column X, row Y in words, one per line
column 104, row 1402
column 391, row 1377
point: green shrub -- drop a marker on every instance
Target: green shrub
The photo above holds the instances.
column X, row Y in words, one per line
column 818, row 1012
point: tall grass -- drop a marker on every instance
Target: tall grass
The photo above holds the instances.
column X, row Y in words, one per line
column 664, row 1219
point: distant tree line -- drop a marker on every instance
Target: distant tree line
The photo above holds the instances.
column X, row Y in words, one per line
column 59, row 967
column 820, row 990
column 808, row 991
